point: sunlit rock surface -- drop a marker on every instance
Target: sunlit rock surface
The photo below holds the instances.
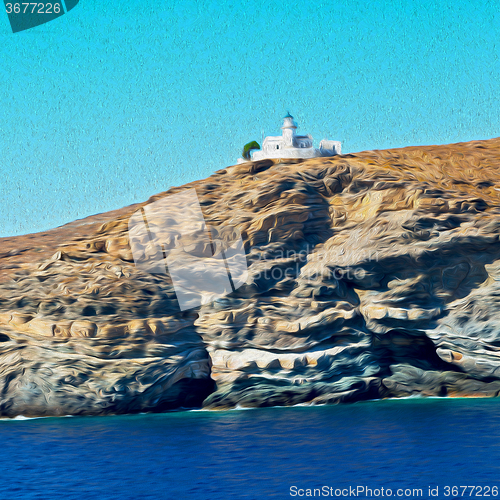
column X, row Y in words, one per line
column 371, row 275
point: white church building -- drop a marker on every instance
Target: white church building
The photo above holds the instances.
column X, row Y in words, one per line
column 291, row 145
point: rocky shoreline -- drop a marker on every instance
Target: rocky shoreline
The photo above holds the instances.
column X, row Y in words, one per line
column 371, row 275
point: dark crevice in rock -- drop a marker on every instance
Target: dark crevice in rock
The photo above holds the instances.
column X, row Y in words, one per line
column 400, row 347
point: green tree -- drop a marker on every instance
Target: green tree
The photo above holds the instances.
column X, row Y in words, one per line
column 249, row 147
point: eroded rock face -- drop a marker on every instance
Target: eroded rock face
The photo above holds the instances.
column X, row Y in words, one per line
column 371, row 275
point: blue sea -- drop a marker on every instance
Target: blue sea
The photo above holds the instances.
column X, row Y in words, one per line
column 399, row 445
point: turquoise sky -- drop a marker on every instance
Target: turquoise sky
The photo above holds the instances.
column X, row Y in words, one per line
column 116, row 101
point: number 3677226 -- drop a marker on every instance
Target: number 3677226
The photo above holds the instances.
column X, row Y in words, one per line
column 33, row 8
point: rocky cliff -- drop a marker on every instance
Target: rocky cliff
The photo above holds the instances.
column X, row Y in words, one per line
column 371, row 275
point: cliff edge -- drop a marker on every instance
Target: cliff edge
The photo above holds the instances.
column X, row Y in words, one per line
column 371, row 275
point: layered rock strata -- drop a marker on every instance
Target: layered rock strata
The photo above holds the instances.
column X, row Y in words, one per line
column 370, row 275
